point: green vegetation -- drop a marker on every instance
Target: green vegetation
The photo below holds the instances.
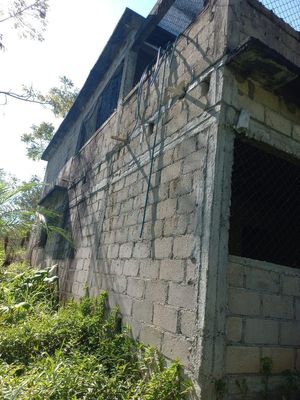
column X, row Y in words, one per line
column 60, row 100
column 75, row 351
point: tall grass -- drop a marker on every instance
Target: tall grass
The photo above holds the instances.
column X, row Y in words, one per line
column 76, row 351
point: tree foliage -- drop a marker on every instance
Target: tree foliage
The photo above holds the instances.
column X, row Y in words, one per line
column 18, row 208
column 37, row 140
column 28, row 17
column 60, row 99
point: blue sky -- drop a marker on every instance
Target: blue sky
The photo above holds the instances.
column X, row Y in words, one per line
column 76, row 34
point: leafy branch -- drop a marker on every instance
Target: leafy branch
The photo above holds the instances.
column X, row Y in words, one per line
column 28, row 18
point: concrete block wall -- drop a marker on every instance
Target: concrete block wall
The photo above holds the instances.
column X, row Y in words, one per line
column 153, row 278
column 263, row 318
column 170, row 283
column 272, row 119
column 249, row 18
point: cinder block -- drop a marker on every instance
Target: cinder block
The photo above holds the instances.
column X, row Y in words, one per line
column 256, row 110
column 134, row 326
column 150, row 335
column 262, row 280
column 177, row 347
column 278, row 306
column 142, row 311
column 171, row 172
column 188, row 323
column 163, row 248
column 119, row 284
column 236, row 275
column 243, row 302
column 290, row 333
column 234, row 329
column 165, row 317
column 113, row 251
column 186, row 204
column 135, row 288
column 191, row 272
column 181, row 185
column 131, row 268
column 170, row 225
column 261, row 331
column 166, row 208
column 126, row 250
column 192, row 162
column 291, row 285
column 172, row 270
column 182, row 296
column 142, row 250
column 156, row 291
column 185, row 148
column 149, row 269
column 126, row 205
column 123, row 301
column 116, row 267
column 183, row 246
column 242, row 360
column 282, row 358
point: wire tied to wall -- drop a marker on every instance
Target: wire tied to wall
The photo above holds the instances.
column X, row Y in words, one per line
column 164, row 58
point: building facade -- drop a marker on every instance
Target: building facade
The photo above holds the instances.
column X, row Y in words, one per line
column 176, row 173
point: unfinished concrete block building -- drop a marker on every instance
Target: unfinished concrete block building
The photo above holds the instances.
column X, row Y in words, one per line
column 177, row 175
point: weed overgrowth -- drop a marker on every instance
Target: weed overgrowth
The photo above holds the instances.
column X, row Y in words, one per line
column 75, row 351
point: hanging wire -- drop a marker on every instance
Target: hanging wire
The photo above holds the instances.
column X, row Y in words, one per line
column 160, row 101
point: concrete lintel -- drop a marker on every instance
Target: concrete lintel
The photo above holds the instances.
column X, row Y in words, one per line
column 255, row 60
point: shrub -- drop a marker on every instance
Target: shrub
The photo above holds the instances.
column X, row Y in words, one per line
column 76, row 351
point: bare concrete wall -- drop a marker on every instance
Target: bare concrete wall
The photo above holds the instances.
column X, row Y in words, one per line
column 171, row 283
column 158, row 279
column 263, row 319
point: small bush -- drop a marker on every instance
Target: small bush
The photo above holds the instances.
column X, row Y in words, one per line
column 77, row 351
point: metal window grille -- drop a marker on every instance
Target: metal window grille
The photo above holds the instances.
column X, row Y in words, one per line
column 288, row 10
column 265, row 206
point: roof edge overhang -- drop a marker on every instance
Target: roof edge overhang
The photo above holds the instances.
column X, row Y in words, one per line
column 118, row 38
column 49, row 193
column 261, row 63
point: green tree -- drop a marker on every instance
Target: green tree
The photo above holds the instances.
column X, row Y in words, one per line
column 60, row 99
column 18, row 208
column 28, row 17
column 37, row 140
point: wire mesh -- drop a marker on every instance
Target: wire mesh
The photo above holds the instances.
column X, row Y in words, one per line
column 265, row 206
column 180, row 15
column 288, row 10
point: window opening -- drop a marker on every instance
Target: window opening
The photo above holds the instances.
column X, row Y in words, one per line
column 147, row 54
column 265, row 206
column 108, row 101
column 106, row 105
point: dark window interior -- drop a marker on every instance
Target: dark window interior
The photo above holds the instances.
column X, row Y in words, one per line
column 160, row 37
column 265, row 206
column 144, row 60
column 147, row 55
column 109, row 98
column 106, row 105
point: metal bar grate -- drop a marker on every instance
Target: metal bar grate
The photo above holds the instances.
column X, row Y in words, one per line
column 288, row 10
